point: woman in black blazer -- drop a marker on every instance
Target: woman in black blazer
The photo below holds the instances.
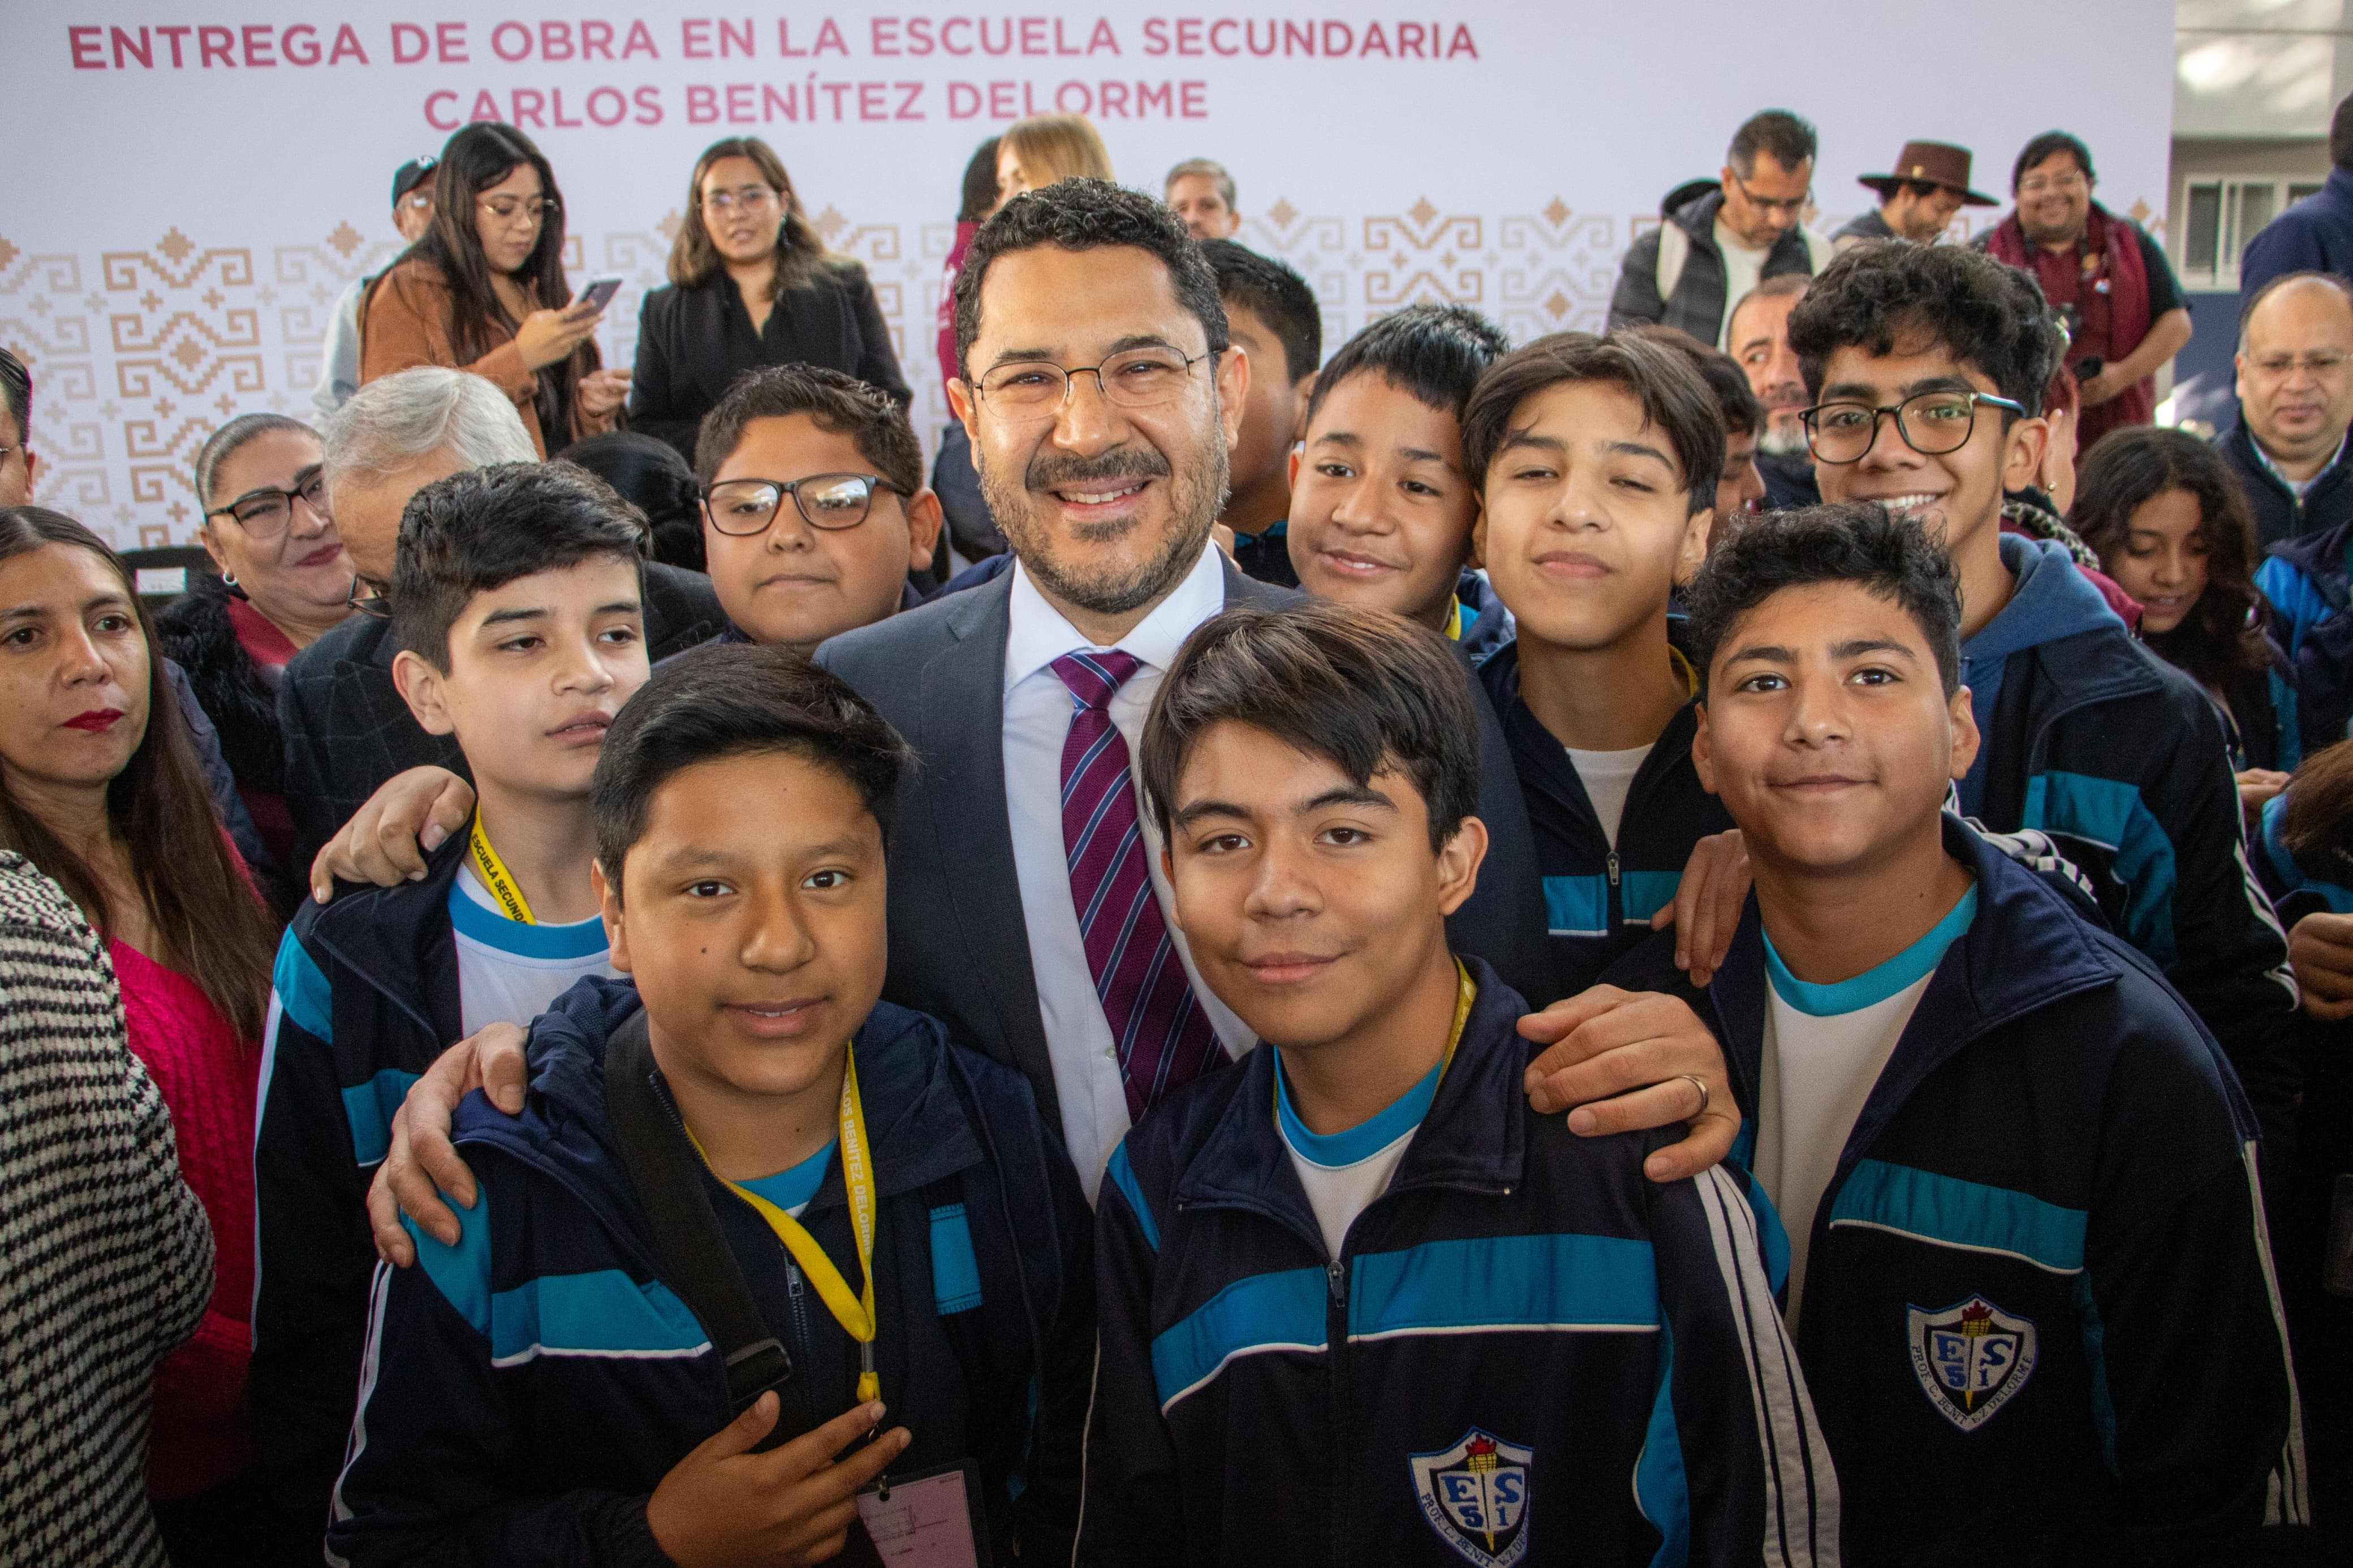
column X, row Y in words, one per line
column 751, row 284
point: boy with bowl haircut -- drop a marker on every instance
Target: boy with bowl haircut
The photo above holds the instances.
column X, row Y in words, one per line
column 1358, row 1301
column 1598, row 461
column 1273, row 317
column 1381, row 506
column 521, row 624
column 903, row 1228
column 2027, row 1255
column 814, row 506
column 1929, row 365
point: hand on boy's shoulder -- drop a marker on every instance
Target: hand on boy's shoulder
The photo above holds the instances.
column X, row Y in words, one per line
column 1624, row 1061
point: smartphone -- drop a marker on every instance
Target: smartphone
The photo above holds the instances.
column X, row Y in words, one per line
column 598, row 295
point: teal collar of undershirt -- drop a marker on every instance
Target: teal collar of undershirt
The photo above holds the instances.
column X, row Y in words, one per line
column 792, row 1188
column 1877, row 984
column 1364, row 1139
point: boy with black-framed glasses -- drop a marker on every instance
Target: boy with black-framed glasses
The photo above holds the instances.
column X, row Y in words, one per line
column 2088, row 737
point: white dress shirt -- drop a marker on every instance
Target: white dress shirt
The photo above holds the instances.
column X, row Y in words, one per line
column 1038, row 710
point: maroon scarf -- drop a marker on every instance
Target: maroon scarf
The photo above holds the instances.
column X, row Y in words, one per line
column 2112, row 293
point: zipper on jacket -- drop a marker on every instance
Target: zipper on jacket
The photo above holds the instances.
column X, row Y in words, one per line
column 804, row 1351
column 1335, row 1341
column 1613, row 915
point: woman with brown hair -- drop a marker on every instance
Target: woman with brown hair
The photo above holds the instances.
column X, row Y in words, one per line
column 484, row 291
column 2170, row 524
column 1047, row 149
column 751, row 284
column 101, row 789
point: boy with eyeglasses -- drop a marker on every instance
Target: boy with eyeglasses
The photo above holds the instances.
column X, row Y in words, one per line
column 1928, row 367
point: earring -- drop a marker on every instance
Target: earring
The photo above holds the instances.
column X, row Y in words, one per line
column 228, row 580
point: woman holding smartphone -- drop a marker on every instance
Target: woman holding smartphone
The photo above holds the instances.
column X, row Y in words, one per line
column 483, row 290
column 751, row 284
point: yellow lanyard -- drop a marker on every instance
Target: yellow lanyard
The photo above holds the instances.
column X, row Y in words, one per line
column 1454, row 620
column 854, row 1313
column 494, row 874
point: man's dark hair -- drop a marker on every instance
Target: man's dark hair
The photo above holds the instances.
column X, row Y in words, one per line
column 1088, row 214
column 1275, row 295
column 1891, row 558
column 1368, row 689
column 1991, row 316
column 979, row 183
column 732, row 699
column 2042, row 147
column 1675, row 400
column 837, row 402
column 1776, row 130
column 1435, row 352
column 482, row 529
column 16, row 392
column 1743, row 414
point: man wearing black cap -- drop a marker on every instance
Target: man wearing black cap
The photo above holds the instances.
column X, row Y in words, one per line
column 1929, row 184
column 339, row 356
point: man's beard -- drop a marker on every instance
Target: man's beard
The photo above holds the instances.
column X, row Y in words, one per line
column 1782, row 438
column 1195, row 498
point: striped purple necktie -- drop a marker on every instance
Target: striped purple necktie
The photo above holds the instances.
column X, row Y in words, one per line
column 1164, row 1039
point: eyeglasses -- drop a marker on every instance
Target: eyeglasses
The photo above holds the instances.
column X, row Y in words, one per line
column 1794, row 205
column 265, row 513
column 2044, row 184
column 1140, row 378
column 1931, row 423
column 742, row 507
column 419, row 201
column 375, row 604
column 535, row 211
column 750, row 198
column 2324, row 362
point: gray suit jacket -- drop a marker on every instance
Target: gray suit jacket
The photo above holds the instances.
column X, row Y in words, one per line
column 959, row 949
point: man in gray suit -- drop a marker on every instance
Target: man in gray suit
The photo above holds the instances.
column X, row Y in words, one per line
column 1101, row 393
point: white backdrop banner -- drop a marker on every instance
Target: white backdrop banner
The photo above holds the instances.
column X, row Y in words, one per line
column 188, row 189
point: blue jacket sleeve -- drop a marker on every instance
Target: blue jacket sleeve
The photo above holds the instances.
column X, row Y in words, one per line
column 2283, row 245
column 1734, row 1467
column 1130, row 1512
column 433, row 1441
column 312, row 1251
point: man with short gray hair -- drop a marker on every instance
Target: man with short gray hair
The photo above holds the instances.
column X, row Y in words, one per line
column 1200, row 191
column 347, row 730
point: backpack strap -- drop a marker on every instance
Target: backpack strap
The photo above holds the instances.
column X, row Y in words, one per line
column 1819, row 252
column 691, row 1250
column 1675, row 250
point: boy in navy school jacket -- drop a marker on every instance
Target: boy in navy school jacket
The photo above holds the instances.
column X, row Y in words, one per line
column 541, row 1392
column 2030, row 1276
column 2085, row 735
column 1358, row 1302
column 523, row 633
column 1597, row 459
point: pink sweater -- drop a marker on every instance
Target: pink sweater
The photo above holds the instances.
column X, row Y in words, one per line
column 206, row 1076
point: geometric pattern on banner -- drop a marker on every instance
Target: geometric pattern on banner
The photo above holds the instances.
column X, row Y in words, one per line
column 138, row 353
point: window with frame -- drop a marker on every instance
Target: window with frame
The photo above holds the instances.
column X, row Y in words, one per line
column 2220, row 214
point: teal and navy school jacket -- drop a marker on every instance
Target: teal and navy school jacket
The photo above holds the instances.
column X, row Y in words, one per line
column 1525, row 1352
column 2121, row 759
column 527, row 1389
column 2041, row 1323
column 2295, row 890
column 2306, row 582
column 363, row 997
column 1600, row 897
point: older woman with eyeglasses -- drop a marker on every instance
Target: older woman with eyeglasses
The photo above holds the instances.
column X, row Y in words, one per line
column 285, row 581
column 751, row 284
column 484, row 291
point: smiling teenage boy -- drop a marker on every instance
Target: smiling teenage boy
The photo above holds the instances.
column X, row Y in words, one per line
column 886, row 1213
column 1382, row 507
column 522, row 628
column 1358, row 1301
column 1598, row 461
column 2028, row 1274
column 1927, row 366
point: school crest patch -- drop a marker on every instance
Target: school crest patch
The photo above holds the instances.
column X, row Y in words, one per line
column 1475, row 1495
column 1971, row 1359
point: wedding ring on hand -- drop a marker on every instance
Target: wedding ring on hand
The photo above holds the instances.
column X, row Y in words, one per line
column 1703, row 1097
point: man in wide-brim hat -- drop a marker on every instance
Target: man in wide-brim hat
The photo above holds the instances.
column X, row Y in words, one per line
column 1929, row 184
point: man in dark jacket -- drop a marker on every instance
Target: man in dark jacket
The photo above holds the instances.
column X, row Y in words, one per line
column 347, row 730
column 1717, row 241
column 2029, row 1279
column 2314, row 234
column 2296, row 404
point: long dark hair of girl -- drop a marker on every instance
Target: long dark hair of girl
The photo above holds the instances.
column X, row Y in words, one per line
column 202, row 908
column 2222, row 637
column 474, row 159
